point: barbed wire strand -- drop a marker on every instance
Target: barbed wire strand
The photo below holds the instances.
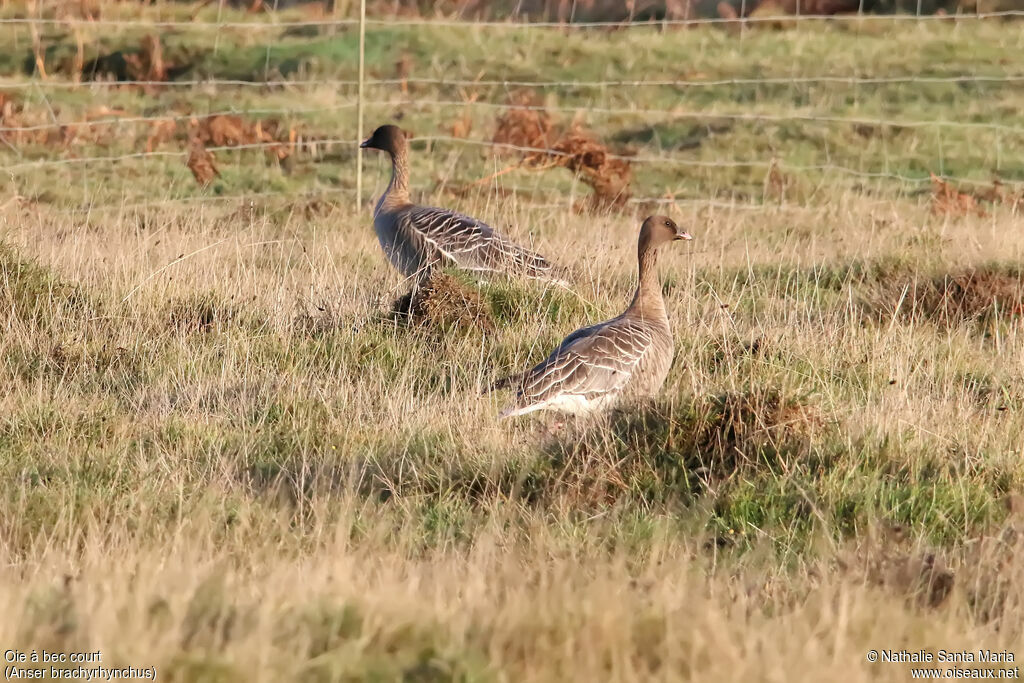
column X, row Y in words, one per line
column 118, row 120
column 319, row 194
column 754, row 163
column 681, row 83
column 610, row 111
column 517, row 25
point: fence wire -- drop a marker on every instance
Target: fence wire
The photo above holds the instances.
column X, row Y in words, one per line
column 637, row 159
column 40, row 85
column 609, row 111
column 273, row 24
column 469, row 83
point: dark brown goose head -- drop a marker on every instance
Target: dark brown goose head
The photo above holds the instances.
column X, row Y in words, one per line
column 390, row 139
column 393, row 141
column 657, row 230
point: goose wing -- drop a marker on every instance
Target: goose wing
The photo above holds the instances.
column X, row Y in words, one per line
column 591, row 363
column 472, row 244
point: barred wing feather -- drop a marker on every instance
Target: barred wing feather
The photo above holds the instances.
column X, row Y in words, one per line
column 472, row 244
column 591, row 364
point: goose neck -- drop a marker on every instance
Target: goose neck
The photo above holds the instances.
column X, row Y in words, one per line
column 648, row 301
column 397, row 193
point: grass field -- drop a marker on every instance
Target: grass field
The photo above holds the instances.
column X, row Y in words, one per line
column 223, row 457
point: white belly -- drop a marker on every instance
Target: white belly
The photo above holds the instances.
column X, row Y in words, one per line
column 574, row 404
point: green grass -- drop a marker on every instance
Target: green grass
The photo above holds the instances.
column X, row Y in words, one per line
column 689, row 124
column 226, row 458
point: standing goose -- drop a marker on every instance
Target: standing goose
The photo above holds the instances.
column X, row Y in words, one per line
column 416, row 238
column 628, row 355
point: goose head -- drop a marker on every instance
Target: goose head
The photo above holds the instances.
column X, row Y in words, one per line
column 387, row 138
column 656, row 230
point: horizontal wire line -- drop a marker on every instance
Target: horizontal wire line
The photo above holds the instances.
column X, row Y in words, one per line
column 202, row 200
column 169, row 117
column 682, row 83
column 687, row 201
column 448, row 23
column 140, row 155
column 655, row 160
column 713, row 164
column 782, row 165
column 157, row 23
column 611, row 111
column 742, row 116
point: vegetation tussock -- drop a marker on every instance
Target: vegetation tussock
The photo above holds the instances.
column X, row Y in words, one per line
column 226, row 454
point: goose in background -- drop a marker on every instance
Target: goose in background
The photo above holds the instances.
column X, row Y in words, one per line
column 627, row 356
column 417, row 238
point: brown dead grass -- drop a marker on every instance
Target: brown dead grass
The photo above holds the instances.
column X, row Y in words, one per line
column 726, row 11
column 985, row 575
column 776, row 182
column 607, row 174
column 14, row 114
column 230, row 130
column 998, row 194
column 199, row 313
column 201, row 162
column 443, row 301
column 948, row 200
column 971, row 295
column 769, row 8
column 677, row 453
column 160, row 132
column 887, row 558
column 40, row 125
column 525, row 123
column 546, row 145
column 403, row 69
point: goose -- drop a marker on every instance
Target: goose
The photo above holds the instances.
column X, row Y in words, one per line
column 596, row 366
column 416, row 238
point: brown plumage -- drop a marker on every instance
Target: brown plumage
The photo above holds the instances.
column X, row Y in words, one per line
column 417, row 238
column 628, row 355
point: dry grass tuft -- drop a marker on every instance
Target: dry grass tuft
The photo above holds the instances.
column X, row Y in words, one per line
column 201, row 162
column 527, row 125
column 160, row 131
column 888, row 559
column 30, row 127
column 760, row 417
column 445, row 302
column 230, row 130
column 972, row 295
column 776, row 183
column 607, row 174
column 31, row 293
column 948, row 201
column 997, row 194
column 985, row 575
column 676, row 453
column 403, row 69
column 200, row 313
